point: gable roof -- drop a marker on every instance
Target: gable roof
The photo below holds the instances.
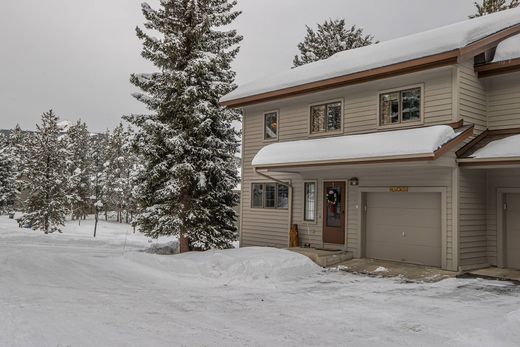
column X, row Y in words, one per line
column 426, row 49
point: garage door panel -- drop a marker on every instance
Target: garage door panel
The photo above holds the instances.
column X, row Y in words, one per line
column 404, row 227
column 406, row 216
column 418, row 254
column 402, row 200
column 412, row 235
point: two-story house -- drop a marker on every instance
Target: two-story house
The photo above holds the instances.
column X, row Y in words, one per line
column 406, row 150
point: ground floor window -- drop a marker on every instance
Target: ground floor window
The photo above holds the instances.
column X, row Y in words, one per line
column 270, row 195
column 310, row 201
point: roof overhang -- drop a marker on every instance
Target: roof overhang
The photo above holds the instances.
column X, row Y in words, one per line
column 465, row 156
column 498, row 68
column 462, row 134
column 423, row 63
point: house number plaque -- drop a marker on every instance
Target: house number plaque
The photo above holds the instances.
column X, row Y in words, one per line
column 398, row 189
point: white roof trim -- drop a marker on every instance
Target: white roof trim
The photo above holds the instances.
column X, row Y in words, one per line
column 409, row 143
column 416, row 46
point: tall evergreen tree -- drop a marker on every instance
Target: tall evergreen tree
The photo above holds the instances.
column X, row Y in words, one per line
column 7, row 178
column 331, row 37
column 114, row 172
column 492, row 6
column 18, row 145
column 188, row 143
column 45, row 177
column 79, row 166
column 96, row 154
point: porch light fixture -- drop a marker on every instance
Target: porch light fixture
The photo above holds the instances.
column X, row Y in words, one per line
column 353, row 181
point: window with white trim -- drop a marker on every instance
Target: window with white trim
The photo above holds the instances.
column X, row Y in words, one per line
column 402, row 106
column 270, row 195
column 309, row 214
column 325, row 117
column 271, row 125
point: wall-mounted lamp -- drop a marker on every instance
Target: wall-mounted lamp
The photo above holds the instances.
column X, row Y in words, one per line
column 353, row 181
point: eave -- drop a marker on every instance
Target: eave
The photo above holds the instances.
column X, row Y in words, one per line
column 464, row 133
column 420, row 64
column 498, row 68
column 464, row 158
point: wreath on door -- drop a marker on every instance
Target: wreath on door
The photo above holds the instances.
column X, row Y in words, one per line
column 332, row 200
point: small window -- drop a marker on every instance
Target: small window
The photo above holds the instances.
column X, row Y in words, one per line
column 258, row 196
column 282, row 197
column 326, row 117
column 270, row 195
column 400, row 107
column 310, row 202
column 271, row 126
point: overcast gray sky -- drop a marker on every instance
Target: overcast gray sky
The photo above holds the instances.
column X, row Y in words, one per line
column 75, row 56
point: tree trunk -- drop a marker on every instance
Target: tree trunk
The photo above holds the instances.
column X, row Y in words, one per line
column 184, row 243
column 95, row 223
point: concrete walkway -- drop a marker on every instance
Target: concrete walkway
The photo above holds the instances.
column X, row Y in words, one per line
column 383, row 268
column 496, row 273
column 323, row 257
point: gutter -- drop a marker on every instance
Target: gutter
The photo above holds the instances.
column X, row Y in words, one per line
column 290, row 207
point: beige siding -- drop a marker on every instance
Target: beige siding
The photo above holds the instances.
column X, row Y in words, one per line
column 396, row 176
column 472, row 96
column 472, row 219
column 503, row 101
column 269, row 227
column 497, row 178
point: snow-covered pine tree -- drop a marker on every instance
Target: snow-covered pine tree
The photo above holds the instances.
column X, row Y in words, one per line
column 78, row 167
column 188, row 143
column 492, row 6
column 18, row 142
column 8, row 176
column 45, row 177
column 331, row 37
column 96, row 154
column 114, row 172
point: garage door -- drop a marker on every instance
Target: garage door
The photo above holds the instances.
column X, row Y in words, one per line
column 513, row 231
column 404, row 227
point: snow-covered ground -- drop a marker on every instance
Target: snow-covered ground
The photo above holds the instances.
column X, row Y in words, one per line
column 69, row 290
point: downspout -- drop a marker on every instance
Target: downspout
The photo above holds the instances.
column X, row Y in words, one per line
column 290, row 202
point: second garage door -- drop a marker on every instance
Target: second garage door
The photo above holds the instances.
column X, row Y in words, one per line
column 404, row 227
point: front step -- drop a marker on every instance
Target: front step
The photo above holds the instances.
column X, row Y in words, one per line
column 324, row 258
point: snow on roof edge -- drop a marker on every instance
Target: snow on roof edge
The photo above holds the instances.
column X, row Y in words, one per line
column 508, row 147
column 423, row 44
column 508, row 49
column 398, row 143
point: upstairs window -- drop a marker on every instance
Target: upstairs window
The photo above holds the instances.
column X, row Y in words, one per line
column 270, row 195
column 326, row 117
column 402, row 106
column 271, row 126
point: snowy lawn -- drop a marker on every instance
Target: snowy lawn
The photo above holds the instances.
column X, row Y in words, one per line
column 68, row 290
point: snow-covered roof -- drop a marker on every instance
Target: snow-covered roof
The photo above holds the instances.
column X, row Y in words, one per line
column 504, row 148
column 508, row 49
column 416, row 46
column 419, row 142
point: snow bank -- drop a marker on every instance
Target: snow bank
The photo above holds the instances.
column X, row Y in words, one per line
column 420, row 141
column 507, row 147
column 386, row 53
column 508, row 49
column 238, row 266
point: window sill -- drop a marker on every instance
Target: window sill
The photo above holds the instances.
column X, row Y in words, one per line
column 326, row 133
column 404, row 125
